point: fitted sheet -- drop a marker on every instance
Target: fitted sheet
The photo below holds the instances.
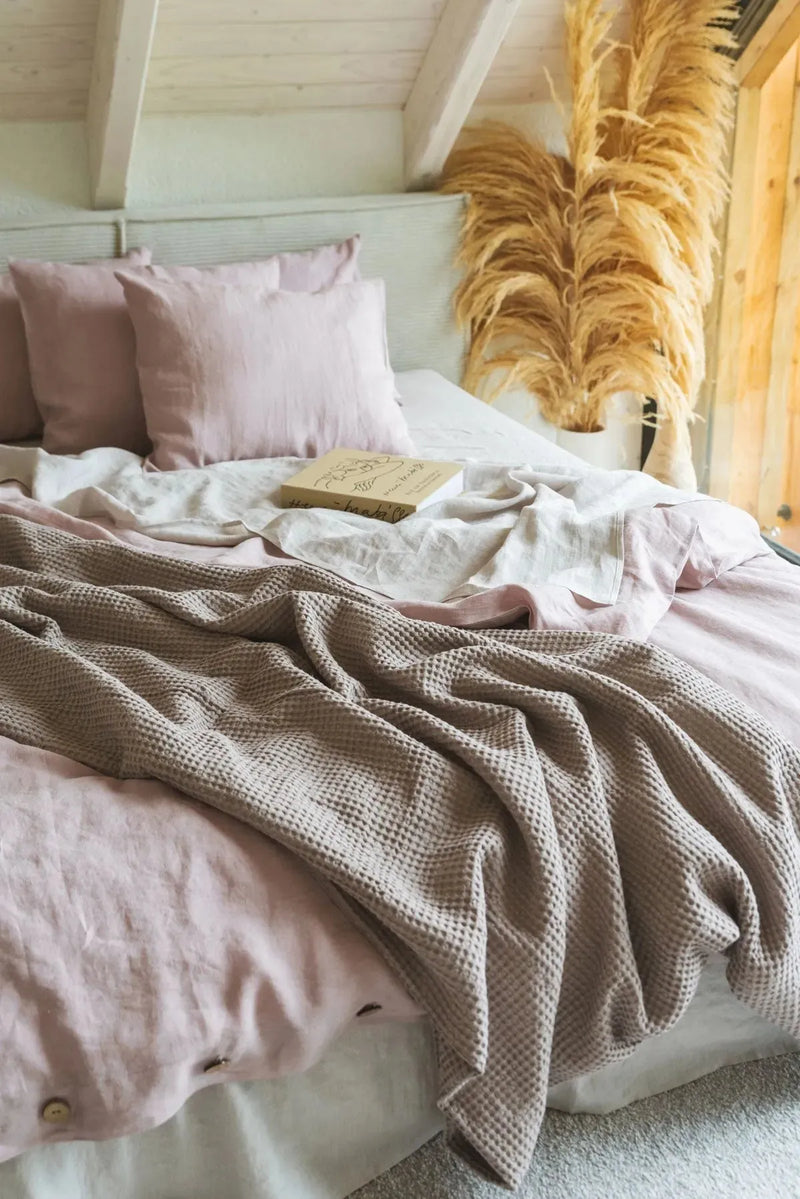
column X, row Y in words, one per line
column 442, row 417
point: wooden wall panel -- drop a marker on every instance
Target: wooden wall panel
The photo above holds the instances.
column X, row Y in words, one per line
column 44, row 106
column 702, row 431
column 532, row 50
column 257, row 55
column 46, row 49
column 522, row 72
column 537, row 27
column 257, row 100
column 736, row 256
column 762, row 274
column 178, row 39
column 48, row 12
column 755, row 446
column 782, row 377
column 225, row 12
column 270, row 49
column 790, row 528
column 532, row 89
column 287, row 54
column 52, row 77
column 47, row 44
column 267, row 70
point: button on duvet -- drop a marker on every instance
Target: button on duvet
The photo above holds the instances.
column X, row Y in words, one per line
column 217, row 1063
column 56, row 1111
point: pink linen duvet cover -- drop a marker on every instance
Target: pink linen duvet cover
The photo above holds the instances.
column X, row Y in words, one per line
column 155, row 946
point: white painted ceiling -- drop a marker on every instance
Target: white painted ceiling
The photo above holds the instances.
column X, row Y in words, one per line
column 252, row 56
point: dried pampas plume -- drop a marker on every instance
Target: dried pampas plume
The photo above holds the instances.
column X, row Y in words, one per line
column 588, row 275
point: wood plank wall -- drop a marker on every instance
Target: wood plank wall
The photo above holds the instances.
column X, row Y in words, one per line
column 754, row 458
column 312, row 54
column 46, row 49
column 254, row 56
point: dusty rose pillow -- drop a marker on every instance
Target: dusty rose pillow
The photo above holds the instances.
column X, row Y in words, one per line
column 325, row 266
column 232, row 371
column 19, row 416
column 82, row 354
column 265, row 274
column 297, row 270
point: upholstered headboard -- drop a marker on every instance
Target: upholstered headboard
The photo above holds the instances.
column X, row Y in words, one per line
column 409, row 240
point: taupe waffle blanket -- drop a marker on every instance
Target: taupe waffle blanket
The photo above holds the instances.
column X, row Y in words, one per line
column 546, row 833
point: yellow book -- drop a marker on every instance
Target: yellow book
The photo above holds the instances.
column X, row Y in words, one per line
column 384, row 486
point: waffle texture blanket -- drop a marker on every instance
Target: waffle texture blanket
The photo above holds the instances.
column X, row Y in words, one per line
column 545, row 833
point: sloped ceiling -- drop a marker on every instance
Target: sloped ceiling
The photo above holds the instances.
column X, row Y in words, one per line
column 252, row 56
column 46, row 50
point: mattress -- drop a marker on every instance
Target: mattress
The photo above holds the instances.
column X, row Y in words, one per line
column 370, row 1100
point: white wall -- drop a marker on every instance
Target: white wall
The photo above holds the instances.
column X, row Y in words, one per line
column 44, row 167
column 205, row 159
column 545, row 121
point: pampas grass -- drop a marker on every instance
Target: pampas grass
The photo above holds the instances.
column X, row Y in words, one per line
column 588, row 275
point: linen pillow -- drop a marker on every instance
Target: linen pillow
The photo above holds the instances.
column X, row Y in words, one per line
column 296, row 270
column 325, row 266
column 19, row 416
column 230, row 371
column 266, row 274
column 82, row 354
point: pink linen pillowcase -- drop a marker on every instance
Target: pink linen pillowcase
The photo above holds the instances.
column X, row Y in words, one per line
column 69, row 431
column 230, row 371
column 264, row 274
column 297, row 270
column 324, row 266
column 19, row 416
column 82, row 353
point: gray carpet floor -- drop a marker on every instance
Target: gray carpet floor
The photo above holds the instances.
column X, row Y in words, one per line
column 732, row 1135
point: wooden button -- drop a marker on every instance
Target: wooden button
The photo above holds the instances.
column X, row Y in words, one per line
column 216, row 1063
column 56, row 1111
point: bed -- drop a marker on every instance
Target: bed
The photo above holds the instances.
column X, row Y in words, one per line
column 358, row 1090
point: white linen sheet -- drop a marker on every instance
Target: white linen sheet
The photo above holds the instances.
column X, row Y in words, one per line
column 546, row 518
column 369, row 1102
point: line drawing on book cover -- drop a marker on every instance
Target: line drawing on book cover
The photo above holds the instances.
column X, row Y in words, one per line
column 363, row 473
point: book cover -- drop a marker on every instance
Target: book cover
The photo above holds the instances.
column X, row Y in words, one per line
column 386, row 487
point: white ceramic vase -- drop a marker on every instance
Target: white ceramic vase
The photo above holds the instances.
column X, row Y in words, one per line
column 618, row 446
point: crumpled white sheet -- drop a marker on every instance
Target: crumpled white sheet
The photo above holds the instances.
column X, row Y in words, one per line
column 524, row 525
column 511, row 525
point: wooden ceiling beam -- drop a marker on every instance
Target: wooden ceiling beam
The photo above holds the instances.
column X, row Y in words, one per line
column 119, row 74
column 463, row 48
